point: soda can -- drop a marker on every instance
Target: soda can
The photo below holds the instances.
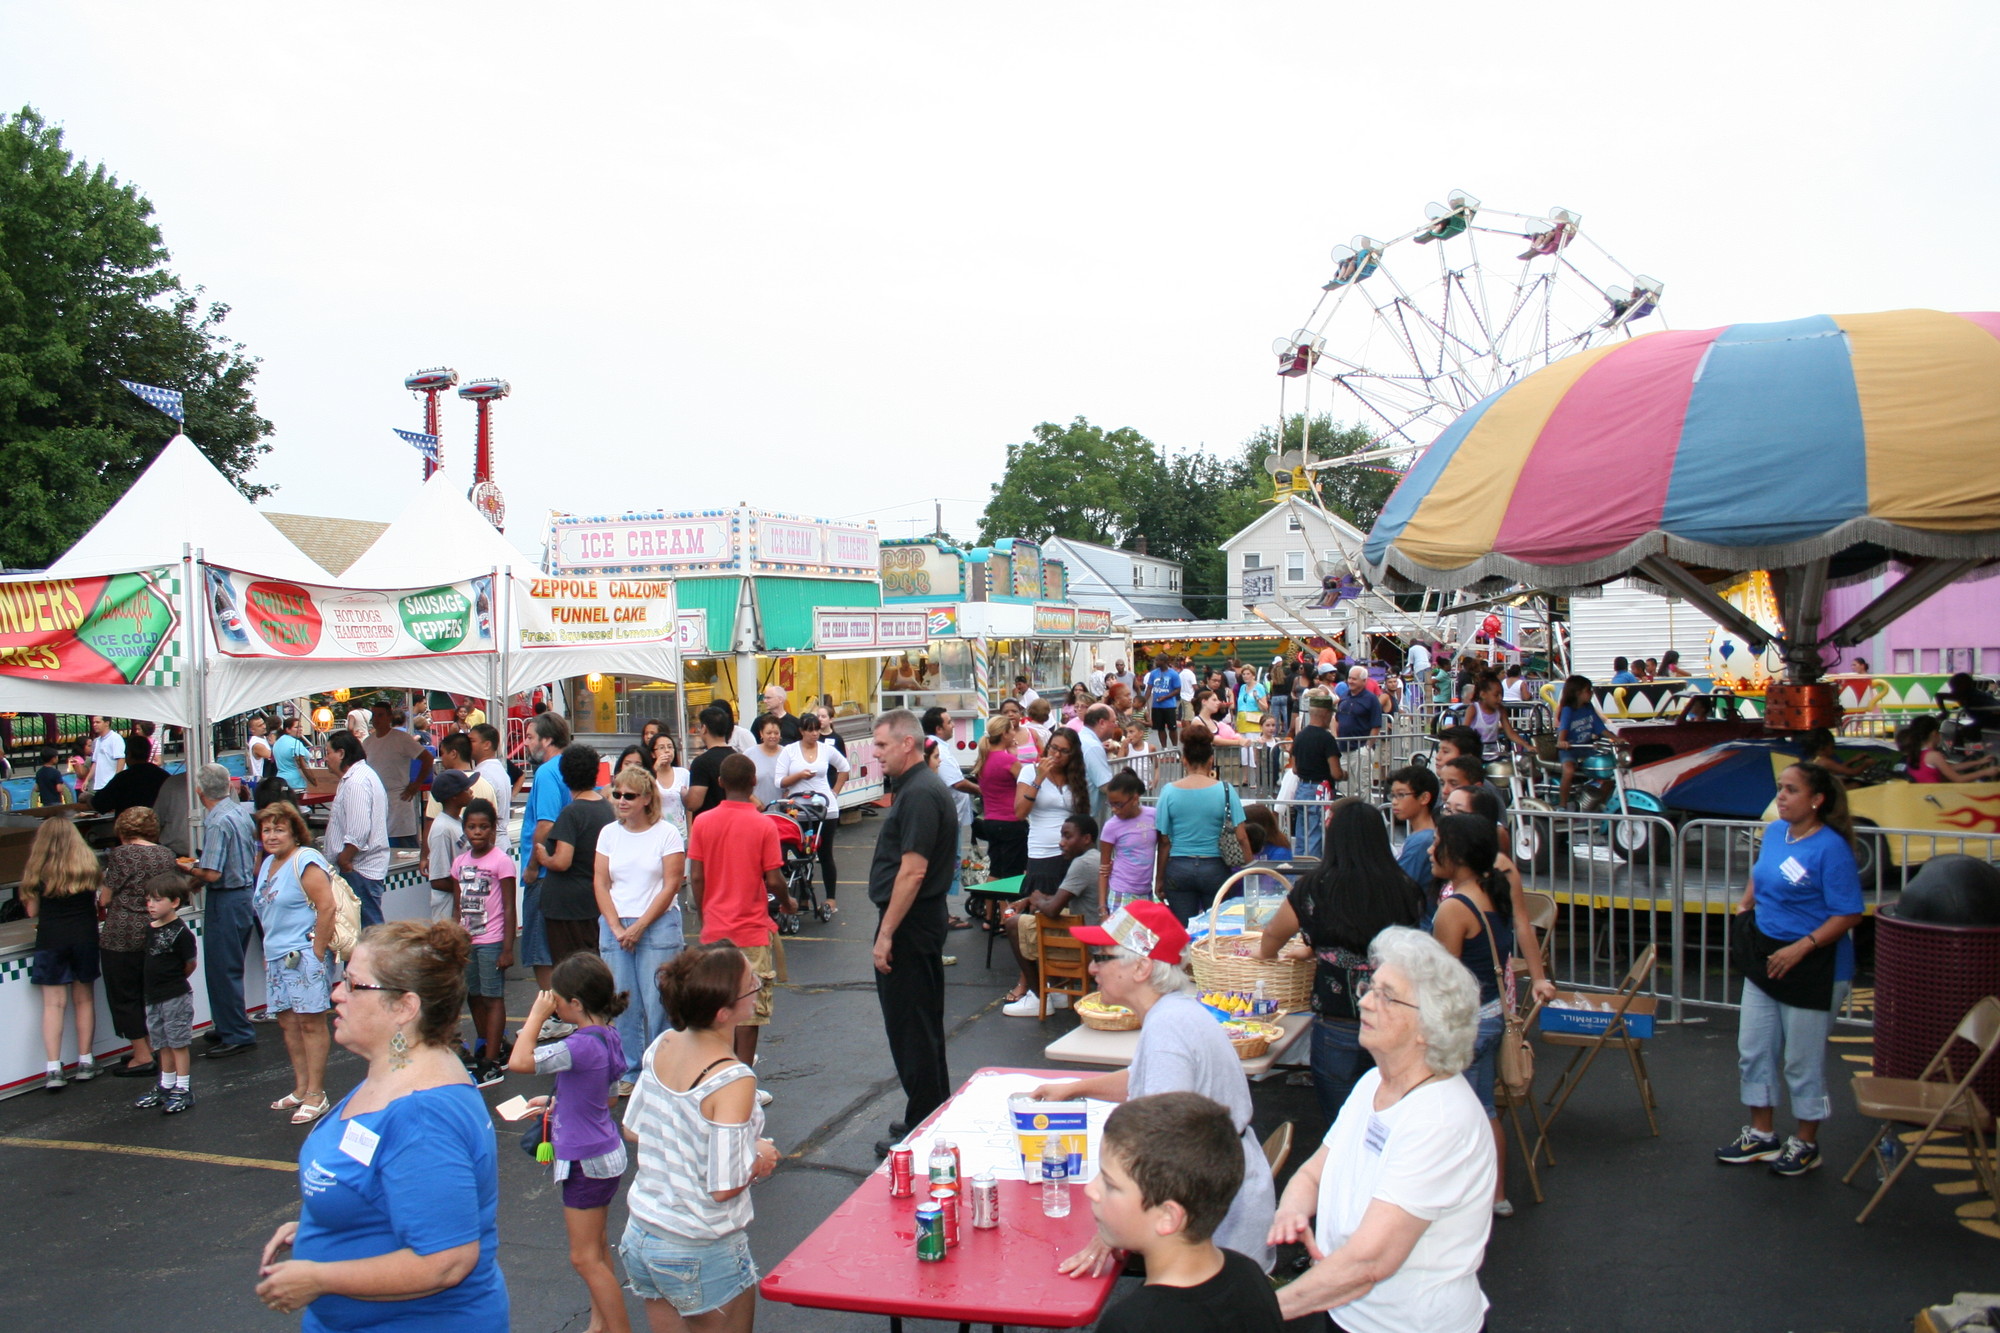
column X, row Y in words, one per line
column 930, row 1233
column 985, row 1201
column 947, row 1200
column 902, row 1168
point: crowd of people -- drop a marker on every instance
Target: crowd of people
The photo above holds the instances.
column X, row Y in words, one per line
column 1413, row 953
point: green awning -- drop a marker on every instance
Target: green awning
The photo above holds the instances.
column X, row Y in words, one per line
column 785, row 607
column 718, row 597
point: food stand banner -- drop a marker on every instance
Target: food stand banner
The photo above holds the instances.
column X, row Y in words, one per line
column 851, row 628
column 258, row 617
column 113, row 629
column 565, row 612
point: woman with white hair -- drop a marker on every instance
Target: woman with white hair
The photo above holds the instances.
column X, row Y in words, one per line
column 1402, row 1187
column 1137, row 962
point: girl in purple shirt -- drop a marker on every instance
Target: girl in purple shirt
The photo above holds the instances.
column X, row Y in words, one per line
column 589, row 1151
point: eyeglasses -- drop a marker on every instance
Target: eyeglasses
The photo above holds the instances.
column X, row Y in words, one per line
column 757, row 989
column 1106, row 955
column 627, row 796
column 352, row 984
column 1367, row 986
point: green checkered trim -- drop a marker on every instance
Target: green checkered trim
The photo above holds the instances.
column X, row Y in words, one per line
column 165, row 671
column 17, row 967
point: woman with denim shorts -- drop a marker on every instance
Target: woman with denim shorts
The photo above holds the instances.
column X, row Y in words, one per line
column 639, row 864
column 695, row 1119
column 294, row 902
column 1475, row 924
column 1790, row 938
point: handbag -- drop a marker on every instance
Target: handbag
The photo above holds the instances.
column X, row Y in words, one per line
column 1515, row 1065
column 1809, row 985
column 1228, row 844
column 535, row 1136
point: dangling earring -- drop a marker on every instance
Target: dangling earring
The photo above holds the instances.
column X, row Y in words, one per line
column 399, row 1050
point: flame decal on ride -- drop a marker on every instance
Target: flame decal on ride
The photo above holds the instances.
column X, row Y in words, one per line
column 1969, row 819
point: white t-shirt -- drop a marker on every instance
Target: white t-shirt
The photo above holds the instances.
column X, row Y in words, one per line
column 823, row 765
column 105, row 752
column 1431, row 1155
column 951, row 775
column 496, row 777
column 1187, row 686
column 256, row 763
column 1045, row 820
column 636, row 873
column 673, row 800
column 391, row 756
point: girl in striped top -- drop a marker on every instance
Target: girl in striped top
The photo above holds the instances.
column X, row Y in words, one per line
column 694, row 1116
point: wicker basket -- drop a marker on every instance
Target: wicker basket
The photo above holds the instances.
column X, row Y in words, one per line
column 1289, row 981
column 1128, row 1021
column 1253, row 1039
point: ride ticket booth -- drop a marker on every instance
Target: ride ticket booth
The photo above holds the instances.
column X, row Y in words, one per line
column 748, row 586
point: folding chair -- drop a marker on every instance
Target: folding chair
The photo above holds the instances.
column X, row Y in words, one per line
column 1935, row 1104
column 1064, row 959
column 1542, row 916
column 991, row 896
column 1278, row 1147
column 1506, row 1101
column 1627, row 1000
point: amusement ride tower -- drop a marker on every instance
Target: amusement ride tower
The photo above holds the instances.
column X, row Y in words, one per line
column 430, row 384
column 485, row 495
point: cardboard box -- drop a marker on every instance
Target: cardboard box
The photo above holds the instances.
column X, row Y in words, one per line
column 1572, row 1019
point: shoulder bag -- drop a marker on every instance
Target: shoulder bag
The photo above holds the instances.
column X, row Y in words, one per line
column 1228, row 844
column 1809, row 985
column 1516, row 1063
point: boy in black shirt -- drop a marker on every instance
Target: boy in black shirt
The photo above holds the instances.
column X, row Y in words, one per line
column 1316, row 759
column 170, row 956
column 1171, row 1164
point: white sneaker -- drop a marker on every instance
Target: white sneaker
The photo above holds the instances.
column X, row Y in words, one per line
column 554, row 1029
column 1028, row 1006
column 764, row 1098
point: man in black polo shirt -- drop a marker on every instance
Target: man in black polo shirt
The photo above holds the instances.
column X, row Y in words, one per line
column 916, row 851
column 1316, row 759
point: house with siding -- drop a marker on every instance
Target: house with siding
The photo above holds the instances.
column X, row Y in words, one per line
column 1132, row 585
column 1296, row 542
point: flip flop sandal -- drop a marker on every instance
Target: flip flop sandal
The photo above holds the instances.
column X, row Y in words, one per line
column 309, row 1111
column 957, row 923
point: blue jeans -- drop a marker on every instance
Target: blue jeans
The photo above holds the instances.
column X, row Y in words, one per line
column 369, row 891
column 1191, row 884
column 226, row 919
column 633, row 971
column 1771, row 1036
column 1309, row 822
column 1485, row 1067
column 1338, row 1062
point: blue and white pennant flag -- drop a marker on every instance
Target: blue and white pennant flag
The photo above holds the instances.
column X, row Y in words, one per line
column 165, row 400
column 427, row 445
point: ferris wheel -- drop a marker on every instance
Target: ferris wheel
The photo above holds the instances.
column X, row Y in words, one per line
column 1413, row 331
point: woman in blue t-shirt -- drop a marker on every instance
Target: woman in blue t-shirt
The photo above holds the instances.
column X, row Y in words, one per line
column 1791, row 943
column 400, row 1189
column 1578, row 726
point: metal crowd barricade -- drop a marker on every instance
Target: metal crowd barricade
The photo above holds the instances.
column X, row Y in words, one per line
column 1613, row 877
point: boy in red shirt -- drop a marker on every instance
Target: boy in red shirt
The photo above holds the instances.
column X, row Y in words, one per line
column 733, row 860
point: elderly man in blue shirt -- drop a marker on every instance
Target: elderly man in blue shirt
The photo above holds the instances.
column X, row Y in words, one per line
column 228, row 870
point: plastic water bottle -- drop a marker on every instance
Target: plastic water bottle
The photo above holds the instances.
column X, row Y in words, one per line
column 1055, row 1177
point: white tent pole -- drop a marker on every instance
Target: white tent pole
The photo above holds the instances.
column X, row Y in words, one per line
column 199, row 741
column 496, row 673
column 506, row 651
column 680, row 677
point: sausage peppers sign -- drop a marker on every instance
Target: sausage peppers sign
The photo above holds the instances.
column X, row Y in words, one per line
column 114, row 629
column 259, row 617
column 564, row 611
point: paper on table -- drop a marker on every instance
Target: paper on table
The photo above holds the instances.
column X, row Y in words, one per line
column 978, row 1121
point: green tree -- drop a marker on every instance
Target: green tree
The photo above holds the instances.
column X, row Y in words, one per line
column 86, row 299
column 1066, row 482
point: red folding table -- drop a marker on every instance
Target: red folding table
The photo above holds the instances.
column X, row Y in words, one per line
column 863, row 1258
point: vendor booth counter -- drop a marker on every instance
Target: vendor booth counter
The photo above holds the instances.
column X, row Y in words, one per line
column 406, row 895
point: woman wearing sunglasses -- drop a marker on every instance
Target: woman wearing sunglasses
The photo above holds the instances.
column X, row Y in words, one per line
column 640, row 860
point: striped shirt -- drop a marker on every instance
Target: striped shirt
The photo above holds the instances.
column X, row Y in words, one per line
column 684, row 1157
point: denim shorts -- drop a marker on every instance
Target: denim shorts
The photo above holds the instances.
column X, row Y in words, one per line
column 305, row 989
column 1484, row 1070
column 693, row 1276
column 64, row 964
column 483, row 976
column 532, row 949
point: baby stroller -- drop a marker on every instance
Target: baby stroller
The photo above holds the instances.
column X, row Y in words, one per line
column 798, row 823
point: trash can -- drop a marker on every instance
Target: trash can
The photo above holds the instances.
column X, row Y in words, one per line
column 1926, row 977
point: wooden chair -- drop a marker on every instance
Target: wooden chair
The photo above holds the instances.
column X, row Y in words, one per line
column 1064, row 960
column 1278, row 1148
column 1936, row 1103
column 1625, row 1001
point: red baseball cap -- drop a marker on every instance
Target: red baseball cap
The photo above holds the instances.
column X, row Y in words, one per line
column 1148, row 929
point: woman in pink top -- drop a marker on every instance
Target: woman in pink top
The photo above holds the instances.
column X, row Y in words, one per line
column 1924, row 762
column 999, row 775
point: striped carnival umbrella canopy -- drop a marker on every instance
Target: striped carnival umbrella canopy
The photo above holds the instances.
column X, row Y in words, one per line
column 1820, row 449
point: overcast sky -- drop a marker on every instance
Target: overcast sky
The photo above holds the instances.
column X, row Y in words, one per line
column 832, row 258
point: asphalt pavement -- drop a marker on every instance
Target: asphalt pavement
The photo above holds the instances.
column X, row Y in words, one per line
column 111, row 1216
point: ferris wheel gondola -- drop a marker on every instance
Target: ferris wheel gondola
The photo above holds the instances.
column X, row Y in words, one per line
column 1409, row 338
